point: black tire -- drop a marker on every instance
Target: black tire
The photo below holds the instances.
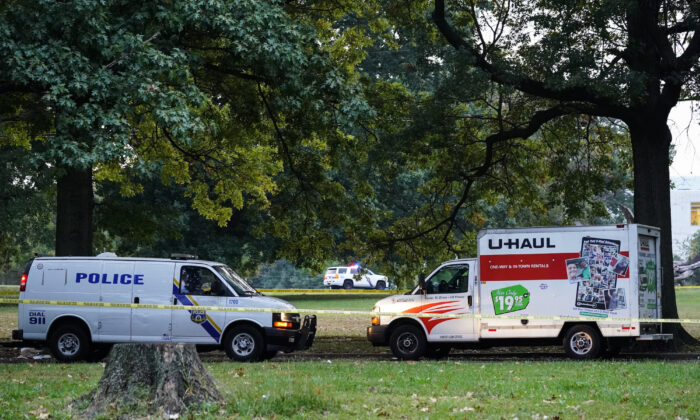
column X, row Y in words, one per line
column 582, row 342
column 437, row 351
column 70, row 343
column 380, row 285
column 408, row 342
column 348, row 284
column 244, row 343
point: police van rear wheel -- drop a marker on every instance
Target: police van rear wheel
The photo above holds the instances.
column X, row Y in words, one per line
column 244, row 344
column 407, row 342
column 69, row 343
column 347, row 284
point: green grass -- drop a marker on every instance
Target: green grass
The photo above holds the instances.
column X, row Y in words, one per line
column 349, row 302
column 688, row 301
column 349, row 389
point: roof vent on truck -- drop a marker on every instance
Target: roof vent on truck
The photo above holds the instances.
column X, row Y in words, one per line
column 183, row 257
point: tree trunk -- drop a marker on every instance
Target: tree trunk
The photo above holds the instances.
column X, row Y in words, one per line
column 150, row 379
column 74, row 206
column 651, row 140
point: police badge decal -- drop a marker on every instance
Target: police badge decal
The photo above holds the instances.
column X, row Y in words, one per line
column 198, row 316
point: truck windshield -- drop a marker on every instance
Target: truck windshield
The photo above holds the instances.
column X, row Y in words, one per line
column 241, row 287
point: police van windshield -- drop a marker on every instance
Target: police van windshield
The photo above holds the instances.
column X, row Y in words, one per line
column 241, row 287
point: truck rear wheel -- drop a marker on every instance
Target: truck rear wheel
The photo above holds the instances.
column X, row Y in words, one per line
column 582, row 342
column 69, row 343
column 244, row 344
column 407, row 342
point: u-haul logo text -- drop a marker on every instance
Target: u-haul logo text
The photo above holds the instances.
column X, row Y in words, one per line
column 524, row 243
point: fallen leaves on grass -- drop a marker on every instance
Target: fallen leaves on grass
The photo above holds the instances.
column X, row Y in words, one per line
column 40, row 413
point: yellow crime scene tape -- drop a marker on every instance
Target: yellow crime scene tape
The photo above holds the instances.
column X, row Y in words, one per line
column 602, row 317
column 15, row 292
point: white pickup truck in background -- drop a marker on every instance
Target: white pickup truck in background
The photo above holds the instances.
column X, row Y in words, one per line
column 354, row 276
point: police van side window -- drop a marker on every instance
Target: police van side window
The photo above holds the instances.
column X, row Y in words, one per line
column 200, row 281
column 342, row 270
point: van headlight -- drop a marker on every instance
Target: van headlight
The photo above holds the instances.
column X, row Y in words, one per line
column 375, row 318
column 286, row 320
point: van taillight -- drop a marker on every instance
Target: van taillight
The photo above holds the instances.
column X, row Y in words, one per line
column 23, row 283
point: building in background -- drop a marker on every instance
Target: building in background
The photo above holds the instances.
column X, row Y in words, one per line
column 685, row 211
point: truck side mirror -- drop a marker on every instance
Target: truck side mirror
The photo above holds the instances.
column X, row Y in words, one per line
column 421, row 281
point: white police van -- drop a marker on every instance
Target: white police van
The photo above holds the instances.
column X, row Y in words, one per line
column 77, row 332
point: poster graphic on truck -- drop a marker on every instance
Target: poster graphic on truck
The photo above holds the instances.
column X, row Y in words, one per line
column 602, row 263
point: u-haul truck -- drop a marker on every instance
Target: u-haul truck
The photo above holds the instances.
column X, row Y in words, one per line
column 78, row 332
column 607, row 277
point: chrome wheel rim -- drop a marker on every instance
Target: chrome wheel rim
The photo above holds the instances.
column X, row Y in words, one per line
column 581, row 343
column 407, row 343
column 243, row 344
column 69, row 344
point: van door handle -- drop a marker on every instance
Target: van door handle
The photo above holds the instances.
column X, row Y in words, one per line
column 174, row 301
column 469, row 301
column 136, row 299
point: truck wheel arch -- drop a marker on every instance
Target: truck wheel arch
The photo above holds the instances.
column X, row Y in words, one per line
column 568, row 325
column 403, row 321
column 240, row 322
column 66, row 320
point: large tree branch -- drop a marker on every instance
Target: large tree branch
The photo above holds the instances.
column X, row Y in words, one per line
column 533, row 125
column 691, row 54
column 581, row 93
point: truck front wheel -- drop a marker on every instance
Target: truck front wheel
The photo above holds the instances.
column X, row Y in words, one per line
column 407, row 342
column 582, row 342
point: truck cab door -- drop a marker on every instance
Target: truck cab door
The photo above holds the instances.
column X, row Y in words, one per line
column 198, row 286
column 448, row 290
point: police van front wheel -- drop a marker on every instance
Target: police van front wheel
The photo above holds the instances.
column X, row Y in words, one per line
column 244, row 344
column 69, row 343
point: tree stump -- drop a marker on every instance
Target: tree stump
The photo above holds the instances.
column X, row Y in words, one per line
column 159, row 379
